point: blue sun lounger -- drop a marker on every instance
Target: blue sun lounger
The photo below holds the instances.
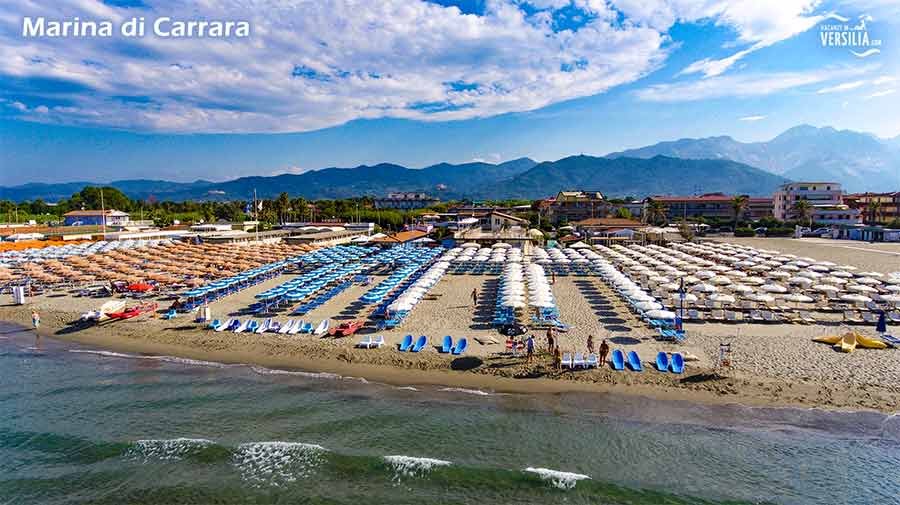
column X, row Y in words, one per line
column 447, row 345
column 662, row 362
column 461, row 345
column 406, row 343
column 677, row 363
column 634, row 362
column 420, row 343
column 618, row 360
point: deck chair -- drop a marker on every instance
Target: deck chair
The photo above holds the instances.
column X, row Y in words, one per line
column 756, row 316
column 807, row 317
column 869, row 317
column 578, row 360
column 567, row 360
column 851, row 316
column 717, row 315
column 731, row 316
column 894, row 316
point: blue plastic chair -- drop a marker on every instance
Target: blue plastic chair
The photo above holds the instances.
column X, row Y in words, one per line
column 420, row 343
column 461, row 346
column 447, row 345
column 618, row 360
column 406, row 343
column 677, row 363
column 662, row 362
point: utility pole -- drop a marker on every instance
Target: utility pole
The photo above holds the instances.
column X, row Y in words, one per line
column 102, row 214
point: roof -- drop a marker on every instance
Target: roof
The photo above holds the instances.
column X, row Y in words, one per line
column 709, row 197
column 507, row 216
column 86, row 213
column 611, row 222
column 401, row 237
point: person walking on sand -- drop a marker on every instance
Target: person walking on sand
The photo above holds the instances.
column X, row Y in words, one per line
column 474, row 297
column 590, row 344
column 35, row 320
column 529, row 349
column 557, row 359
column 552, row 276
column 604, row 350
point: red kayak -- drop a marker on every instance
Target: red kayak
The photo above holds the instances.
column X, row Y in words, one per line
column 133, row 311
column 346, row 329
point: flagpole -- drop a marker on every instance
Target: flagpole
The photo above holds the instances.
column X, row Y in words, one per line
column 256, row 211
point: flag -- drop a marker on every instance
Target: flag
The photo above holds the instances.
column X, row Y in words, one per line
column 259, row 205
column 247, row 208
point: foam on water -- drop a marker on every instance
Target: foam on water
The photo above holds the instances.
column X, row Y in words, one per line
column 171, row 449
column 296, row 373
column 109, row 354
column 167, row 359
column 409, row 466
column 562, row 480
column 477, row 392
column 276, row 463
column 406, row 388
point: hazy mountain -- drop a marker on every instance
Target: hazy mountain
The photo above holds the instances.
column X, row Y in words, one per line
column 522, row 178
column 641, row 177
column 859, row 161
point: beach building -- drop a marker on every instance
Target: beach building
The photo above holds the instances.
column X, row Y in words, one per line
column 825, row 200
column 324, row 238
column 406, row 201
column 876, row 207
column 517, row 237
column 109, row 217
column 865, row 233
column 604, row 230
column 711, row 206
column 400, row 238
column 571, row 206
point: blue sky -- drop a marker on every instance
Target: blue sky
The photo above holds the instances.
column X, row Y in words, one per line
column 341, row 83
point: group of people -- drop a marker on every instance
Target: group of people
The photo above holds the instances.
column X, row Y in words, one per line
column 553, row 348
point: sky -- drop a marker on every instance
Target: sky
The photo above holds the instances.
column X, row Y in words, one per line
column 321, row 83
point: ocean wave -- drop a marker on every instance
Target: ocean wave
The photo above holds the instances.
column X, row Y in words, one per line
column 476, row 392
column 171, row 449
column 297, row 373
column 410, row 466
column 406, row 388
column 276, row 463
column 110, row 354
column 562, row 480
column 167, row 359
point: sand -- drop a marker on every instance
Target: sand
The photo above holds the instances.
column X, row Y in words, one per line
column 772, row 364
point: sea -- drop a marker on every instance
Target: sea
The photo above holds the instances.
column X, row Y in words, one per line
column 80, row 425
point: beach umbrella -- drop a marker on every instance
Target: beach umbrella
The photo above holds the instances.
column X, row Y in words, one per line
column 648, row 305
column 870, row 274
column 704, row 288
column 798, row 298
column 894, row 288
column 740, row 288
column 826, row 288
column 779, row 274
column 802, row 281
column 722, row 298
column 859, row 288
column 140, row 287
column 774, row 288
column 760, row 297
column 868, row 281
column 895, row 299
column 720, row 280
column 855, row 298
column 660, row 314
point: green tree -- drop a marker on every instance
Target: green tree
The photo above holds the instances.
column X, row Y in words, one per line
column 656, row 212
column 873, row 210
column 623, row 213
column 804, row 211
column 738, row 206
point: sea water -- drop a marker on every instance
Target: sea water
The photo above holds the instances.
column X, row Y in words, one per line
column 80, row 425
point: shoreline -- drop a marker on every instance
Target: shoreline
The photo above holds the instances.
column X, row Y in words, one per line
column 512, row 377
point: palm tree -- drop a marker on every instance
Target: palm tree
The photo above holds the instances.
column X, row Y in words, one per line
column 804, row 211
column 656, row 212
column 874, row 210
column 738, row 206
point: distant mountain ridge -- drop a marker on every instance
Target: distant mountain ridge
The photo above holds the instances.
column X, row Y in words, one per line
column 859, row 161
column 520, row 178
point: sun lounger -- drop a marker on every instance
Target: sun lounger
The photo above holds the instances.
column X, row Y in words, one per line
column 566, row 360
column 769, row 316
column 447, row 344
column 731, row 316
column 894, row 316
column 806, row 317
column 851, row 316
column 377, row 342
column 578, row 360
column 287, row 327
column 252, row 326
column 717, row 315
column 365, row 342
column 869, row 317
column 214, row 324
column 634, row 362
column 241, row 326
column 618, row 360
column 461, row 346
column 694, row 315
column 592, row 361
column 264, row 327
column 756, row 316
column 297, row 328
column 224, row 325
column 406, row 343
column 891, row 340
column 170, row 314
column 662, row 361
column 420, row 343
column 677, row 363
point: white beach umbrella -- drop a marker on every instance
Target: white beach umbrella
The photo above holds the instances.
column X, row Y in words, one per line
column 754, row 281
column 740, row 288
column 894, row 288
column 660, row 314
column 648, row 305
column 704, row 288
column 826, row 288
column 704, row 274
column 855, row 298
column 722, row 298
column 760, row 297
column 798, row 298
column 774, row 288
column 687, row 297
column 870, row 274
column 779, row 274
column 801, row 281
column 869, row 281
column 720, row 280
column 860, row 288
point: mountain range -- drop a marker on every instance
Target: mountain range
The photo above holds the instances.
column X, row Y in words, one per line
column 520, row 178
column 861, row 162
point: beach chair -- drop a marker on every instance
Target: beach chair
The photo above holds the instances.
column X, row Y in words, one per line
column 365, row 342
column 420, row 343
column 406, row 343
column 618, row 359
column 170, row 314
column 578, row 360
column 769, row 316
column 567, row 360
column 894, row 316
column 851, row 316
column 731, row 316
column 694, row 315
column 634, row 362
column 214, row 324
column 461, row 346
column 717, row 315
column 677, row 363
column 662, row 361
column 756, row 316
column 592, row 361
column 447, row 344
column 252, row 326
column 891, row 340
column 748, row 305
column 377, row 342
column 869, row 317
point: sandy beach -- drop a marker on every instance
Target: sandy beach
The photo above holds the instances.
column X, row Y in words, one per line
column 772, row 364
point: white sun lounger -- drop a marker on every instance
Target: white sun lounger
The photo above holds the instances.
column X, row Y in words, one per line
column 567, row 360
column 578, row 361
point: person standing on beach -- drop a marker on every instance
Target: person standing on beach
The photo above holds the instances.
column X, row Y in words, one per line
column 529, row 348
column 35, row 319
column 604, row 350
column 474, row 297
column 550, row 342
column 552, row 276
column 557, row 359
column 590, row 344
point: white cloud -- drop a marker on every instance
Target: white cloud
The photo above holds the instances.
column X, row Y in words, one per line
column 349, row 60
column 885, row 79
column 846, row 86
column 752, row 118
column 743, row 85
column 879, row 94
column 758, row 24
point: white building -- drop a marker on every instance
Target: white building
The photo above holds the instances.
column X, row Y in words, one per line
column 825, row 200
